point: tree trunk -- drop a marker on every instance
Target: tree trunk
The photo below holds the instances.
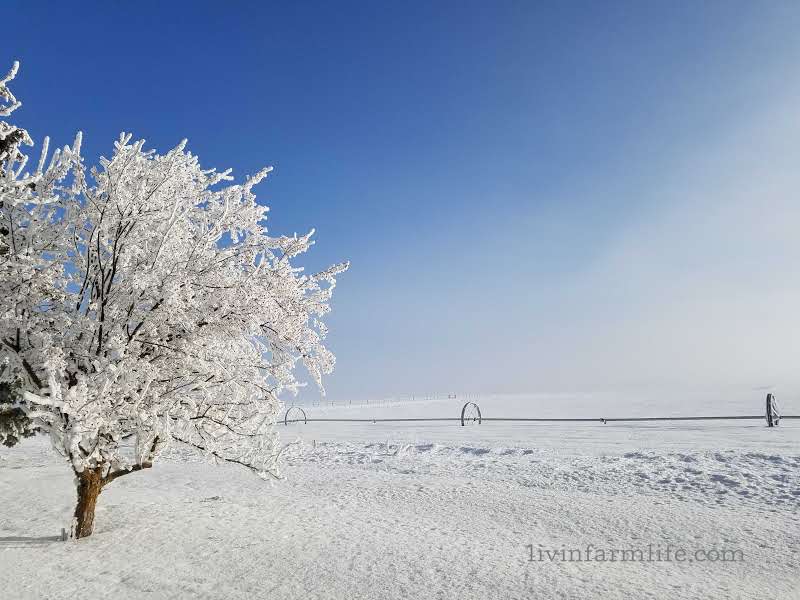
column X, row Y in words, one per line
column 90, row 484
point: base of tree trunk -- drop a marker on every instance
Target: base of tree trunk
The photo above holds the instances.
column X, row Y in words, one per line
column 90, row 484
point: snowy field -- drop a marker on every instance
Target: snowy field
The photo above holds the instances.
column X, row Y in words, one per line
column 435, row 510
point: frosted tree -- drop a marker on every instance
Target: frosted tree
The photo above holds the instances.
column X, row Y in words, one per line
column 14, row 423
column 11, row 137
column 144, row 304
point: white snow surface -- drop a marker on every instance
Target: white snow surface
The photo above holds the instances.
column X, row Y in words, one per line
column 431, row 510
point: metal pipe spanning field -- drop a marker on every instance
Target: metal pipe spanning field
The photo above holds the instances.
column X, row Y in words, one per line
column 543, row 420
column 474, row 416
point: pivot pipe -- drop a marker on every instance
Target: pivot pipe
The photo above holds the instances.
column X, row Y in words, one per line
column 464, row 412
column 294, row 408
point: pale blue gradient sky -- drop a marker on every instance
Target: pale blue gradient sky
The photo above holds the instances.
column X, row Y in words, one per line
column 534, row 196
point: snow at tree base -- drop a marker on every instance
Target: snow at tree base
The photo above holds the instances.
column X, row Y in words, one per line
column 432, row 510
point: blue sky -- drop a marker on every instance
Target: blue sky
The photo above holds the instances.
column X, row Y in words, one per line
column 534, row 196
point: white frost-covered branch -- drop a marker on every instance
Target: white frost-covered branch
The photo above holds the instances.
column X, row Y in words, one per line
column 145, row 303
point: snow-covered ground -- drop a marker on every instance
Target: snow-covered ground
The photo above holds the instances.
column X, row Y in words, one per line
column 434, row 510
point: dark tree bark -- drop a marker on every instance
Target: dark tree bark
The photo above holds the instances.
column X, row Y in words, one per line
column 90, row 484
